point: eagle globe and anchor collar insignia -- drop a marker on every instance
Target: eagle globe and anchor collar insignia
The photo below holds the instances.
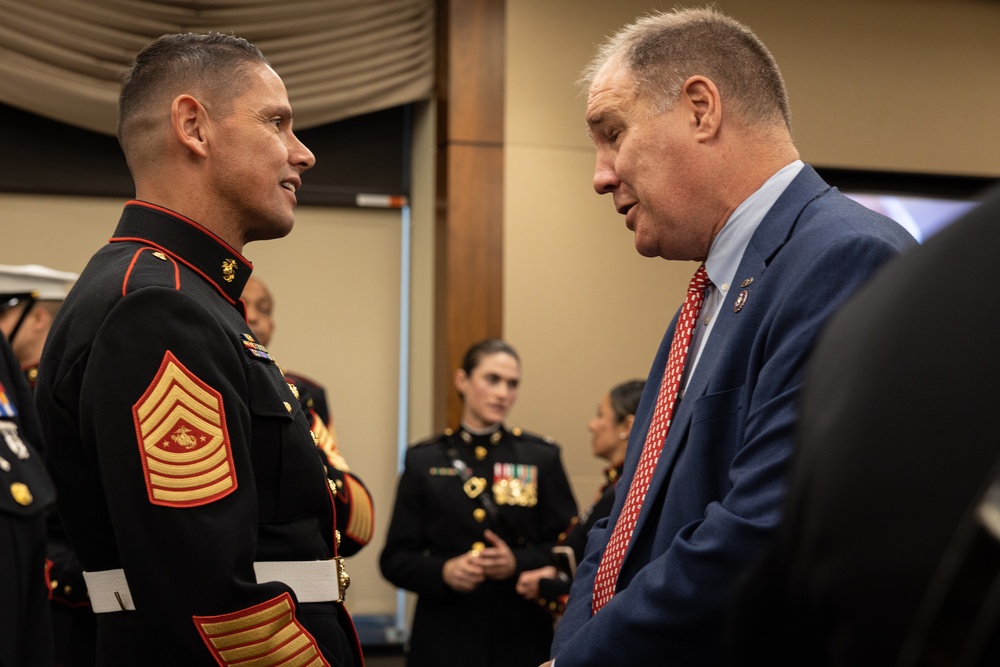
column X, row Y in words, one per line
column 183, row 440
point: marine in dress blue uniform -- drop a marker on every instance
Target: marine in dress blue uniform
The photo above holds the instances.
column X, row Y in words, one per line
column 30, row 296
column 184, row 460
column 26, row 496
column 437, row 516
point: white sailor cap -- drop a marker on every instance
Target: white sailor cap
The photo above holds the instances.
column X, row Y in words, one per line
column 41, row 281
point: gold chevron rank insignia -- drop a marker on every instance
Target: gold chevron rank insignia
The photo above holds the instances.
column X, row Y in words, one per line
column 183, row 440
column 361, row 524
column 266, row 635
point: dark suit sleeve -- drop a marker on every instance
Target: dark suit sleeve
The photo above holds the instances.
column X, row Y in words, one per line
column 675, row 601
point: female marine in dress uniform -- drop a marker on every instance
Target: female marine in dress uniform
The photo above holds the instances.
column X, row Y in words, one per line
column 609, row 430
column 475, row 508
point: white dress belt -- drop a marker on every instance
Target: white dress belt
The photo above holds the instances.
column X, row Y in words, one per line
column 311, row 581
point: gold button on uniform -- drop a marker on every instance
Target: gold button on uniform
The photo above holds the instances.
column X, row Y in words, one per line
column 480, row 453
column 22, row 494
column 479, row 514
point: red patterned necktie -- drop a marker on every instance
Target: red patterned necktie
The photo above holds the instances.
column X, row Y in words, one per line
column 614, row 553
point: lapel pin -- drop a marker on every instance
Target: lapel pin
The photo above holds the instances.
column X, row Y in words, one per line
column 741, row 301
column 747, row 282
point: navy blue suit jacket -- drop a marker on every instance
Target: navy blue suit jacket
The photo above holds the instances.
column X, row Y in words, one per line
column 717, row 490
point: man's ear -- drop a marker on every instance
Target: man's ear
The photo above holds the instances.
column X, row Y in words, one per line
column 701, row 97
column 189, row 122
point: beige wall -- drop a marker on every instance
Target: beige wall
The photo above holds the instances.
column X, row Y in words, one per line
column 908, row 85
column 886, row 84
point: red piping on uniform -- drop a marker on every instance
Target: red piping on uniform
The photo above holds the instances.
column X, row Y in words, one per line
column 139, row 239
column 135, row 258
column 136, row 202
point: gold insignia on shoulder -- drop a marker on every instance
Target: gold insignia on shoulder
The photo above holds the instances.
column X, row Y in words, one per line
column 229, row 270
column 21, row 493
column 160, row 256
column 480, row 453
column 479, row 514
column 183, row 439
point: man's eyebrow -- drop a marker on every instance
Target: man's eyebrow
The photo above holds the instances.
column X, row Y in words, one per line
column 282, row 110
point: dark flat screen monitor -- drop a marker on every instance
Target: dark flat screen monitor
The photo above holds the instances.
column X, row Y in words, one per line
column 922, row 203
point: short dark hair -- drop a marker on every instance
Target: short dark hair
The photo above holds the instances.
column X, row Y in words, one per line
column 484, row 348
column 200, row 62
column 663, row 49
column 625, row 398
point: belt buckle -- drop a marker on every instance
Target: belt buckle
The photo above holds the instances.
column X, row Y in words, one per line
column 343, row 580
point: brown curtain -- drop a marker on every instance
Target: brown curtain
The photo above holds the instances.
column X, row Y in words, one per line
column 339, row 58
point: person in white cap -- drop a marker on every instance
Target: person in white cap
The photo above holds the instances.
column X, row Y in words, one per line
column 30, row 295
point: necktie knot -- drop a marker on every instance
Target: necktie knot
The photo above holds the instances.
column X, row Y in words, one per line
column 699, row 280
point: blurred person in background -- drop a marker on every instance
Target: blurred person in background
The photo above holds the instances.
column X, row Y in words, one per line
column 354, row 503
column 609, row 430
column 475, row 507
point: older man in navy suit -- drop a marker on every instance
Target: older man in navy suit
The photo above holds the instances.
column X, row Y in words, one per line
column 691, row 122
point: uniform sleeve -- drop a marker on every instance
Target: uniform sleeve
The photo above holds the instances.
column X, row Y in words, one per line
column 165, row 399
column 355, row 509
column 405, row 560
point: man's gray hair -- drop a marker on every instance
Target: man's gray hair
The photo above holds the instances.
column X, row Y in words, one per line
column 662, row 50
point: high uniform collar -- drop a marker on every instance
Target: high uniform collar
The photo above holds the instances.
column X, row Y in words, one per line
column 612, row 473
column 471, row 438
column 187, row 242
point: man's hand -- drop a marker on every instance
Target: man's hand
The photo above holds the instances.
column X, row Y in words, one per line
column 463, row 573
column 497, row 560
column 527, row 583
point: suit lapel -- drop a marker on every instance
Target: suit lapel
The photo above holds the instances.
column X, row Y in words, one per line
column 767, row 240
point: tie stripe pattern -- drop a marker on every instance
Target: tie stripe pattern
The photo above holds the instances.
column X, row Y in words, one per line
column 614, row 554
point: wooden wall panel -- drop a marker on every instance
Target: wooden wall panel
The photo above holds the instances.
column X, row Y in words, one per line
column 469, row 217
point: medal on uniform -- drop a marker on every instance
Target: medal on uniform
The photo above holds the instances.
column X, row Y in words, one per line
column 7, row 408
column 515, row 484
column 9, row 432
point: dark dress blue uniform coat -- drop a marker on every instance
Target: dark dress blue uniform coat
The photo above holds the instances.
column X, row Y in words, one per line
column 26, row 495
column 156, row 317
column 434, row 519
